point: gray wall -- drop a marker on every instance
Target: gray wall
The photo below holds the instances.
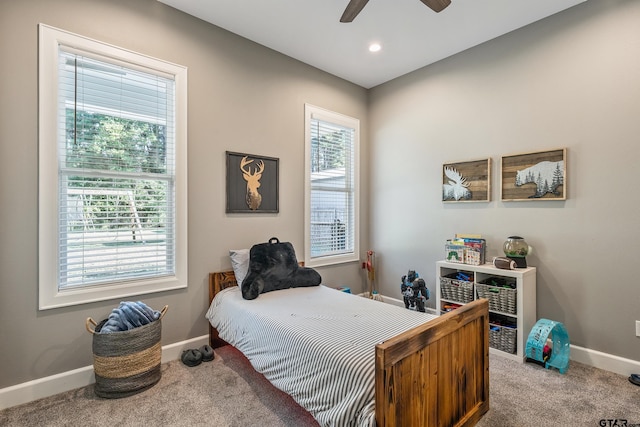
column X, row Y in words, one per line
column 572, row 81
column 242, row 97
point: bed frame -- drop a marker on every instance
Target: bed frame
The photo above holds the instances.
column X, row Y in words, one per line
column 436, row 374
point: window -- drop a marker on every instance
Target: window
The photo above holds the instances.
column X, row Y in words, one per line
column 112, row 172
column 332, row 191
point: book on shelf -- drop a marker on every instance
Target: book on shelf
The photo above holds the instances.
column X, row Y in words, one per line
column 454, row 252
column 471, row 248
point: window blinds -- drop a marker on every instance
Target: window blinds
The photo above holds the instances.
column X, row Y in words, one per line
column 332, row 188
column 116, row 149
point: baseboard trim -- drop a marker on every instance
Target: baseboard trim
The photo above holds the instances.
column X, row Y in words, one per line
column 608, row 362
column 81, row 377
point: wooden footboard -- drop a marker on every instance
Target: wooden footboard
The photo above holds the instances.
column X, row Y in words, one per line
column 436, row 374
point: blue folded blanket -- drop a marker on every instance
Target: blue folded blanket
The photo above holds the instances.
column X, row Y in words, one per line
column 129, row 315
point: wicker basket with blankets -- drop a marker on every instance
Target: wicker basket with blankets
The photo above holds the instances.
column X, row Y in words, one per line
column 126, row 350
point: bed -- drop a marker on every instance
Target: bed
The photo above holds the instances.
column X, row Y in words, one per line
column 434, row 372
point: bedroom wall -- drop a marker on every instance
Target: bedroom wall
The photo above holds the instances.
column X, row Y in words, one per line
column 567, row 81
column 242, row 97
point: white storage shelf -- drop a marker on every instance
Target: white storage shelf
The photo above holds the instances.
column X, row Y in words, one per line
column 517, row 308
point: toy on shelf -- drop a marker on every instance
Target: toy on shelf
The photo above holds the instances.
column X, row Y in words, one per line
column 516, row 249
column 463, row 276
column 414, row 291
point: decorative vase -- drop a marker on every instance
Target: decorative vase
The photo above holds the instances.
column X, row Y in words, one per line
column 516, row 249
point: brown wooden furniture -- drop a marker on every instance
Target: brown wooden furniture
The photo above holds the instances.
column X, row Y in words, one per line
column 436, row 374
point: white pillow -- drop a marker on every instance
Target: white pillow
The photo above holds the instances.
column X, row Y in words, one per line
column 240, row 263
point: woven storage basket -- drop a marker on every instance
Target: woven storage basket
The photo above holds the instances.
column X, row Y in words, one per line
column 127, row 362
column 456, row 290
column 500, row 298
column 503, row 338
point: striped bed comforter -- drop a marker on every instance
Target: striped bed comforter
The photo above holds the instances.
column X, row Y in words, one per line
column 316, row 344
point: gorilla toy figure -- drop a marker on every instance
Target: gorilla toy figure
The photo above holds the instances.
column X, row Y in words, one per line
column 415, row 291
column 273, row 266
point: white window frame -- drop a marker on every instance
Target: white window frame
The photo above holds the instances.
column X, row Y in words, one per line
column 313, row 112
column 50, row 40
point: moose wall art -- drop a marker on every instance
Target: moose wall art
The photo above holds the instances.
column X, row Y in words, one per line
column 252, row 183
column 466, row 181
column 535, row 176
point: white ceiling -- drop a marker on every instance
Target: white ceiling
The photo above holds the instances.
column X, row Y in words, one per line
column 411, row 34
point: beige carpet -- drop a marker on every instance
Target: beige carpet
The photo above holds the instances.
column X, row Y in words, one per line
column 226, row 392
column 213, row 393
column 523, row 395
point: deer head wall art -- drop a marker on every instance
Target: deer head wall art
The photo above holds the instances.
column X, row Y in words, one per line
column 254, row 198
column 252, row 183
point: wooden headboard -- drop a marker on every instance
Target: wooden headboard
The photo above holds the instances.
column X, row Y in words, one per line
column 217, row 282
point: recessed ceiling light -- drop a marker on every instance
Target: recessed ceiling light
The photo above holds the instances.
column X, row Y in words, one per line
column 374, row 47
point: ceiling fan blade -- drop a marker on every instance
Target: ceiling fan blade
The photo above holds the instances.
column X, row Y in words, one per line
column 353, row 9
column 437, row 5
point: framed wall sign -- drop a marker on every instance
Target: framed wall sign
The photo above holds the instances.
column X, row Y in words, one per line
column 467, row 181
column 252, row 183
column 534, row 176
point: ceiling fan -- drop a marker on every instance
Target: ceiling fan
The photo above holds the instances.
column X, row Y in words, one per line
column 355, row 6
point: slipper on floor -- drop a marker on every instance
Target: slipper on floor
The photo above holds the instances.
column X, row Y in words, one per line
column 191, row 357
column 207, row 353
column 634, row 379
